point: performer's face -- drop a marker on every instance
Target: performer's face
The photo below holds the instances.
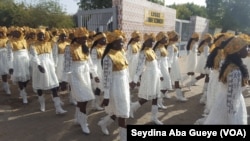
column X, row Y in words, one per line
column 118, row 44
column 243, row 52
column 40, row 36
column 102, row 41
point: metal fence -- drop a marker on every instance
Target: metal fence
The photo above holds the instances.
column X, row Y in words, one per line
column 98, row 19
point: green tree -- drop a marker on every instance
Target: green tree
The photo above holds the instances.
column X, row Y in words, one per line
column 185, row 11
column 229, row 14
column 48, row 13
column 94, row 4
column 161, row 2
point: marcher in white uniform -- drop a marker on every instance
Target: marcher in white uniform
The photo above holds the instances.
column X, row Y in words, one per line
column 20, row 61
column 150, row 78
column 162, row 59
column 4, row 65
column 132, row 53
column 78, row 65
column 44, row 74
column 230, row 107
column 116, row 85
column 96, row 52
column 191, row 61
column 175, row 72
column 204, row 50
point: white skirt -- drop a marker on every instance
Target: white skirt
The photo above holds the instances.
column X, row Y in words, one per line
column 132, row 65
column 150, row 82
column 4, row 66
column 119, row 102
column 80, row 83
column 166, row 83
column 191, row 62
column 201, row 64
column 21, row 66
column 212, row 89
column 100, row 76
column 219, row 111
column 175, row 72
column 60, row 69
column 47, row 80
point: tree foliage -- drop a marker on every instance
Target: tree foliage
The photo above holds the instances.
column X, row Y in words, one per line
column 94, row 4
column 47, row 13
column 229, row 14
column 185, row 11
column 161, row 2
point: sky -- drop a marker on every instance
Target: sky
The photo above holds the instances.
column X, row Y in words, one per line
column 71, row 7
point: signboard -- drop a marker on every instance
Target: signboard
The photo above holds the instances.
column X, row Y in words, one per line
column 153, row 18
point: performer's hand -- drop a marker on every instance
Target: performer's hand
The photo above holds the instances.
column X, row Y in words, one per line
column 91, row 77
column 97, row 80
column 161, row 78
column 63, row 86
column 41, row 69
column 11, row 71
column 105, row 102
column 138, row 84
column 132, row 85
column 169, row 69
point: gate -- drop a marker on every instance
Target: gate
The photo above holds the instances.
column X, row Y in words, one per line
column 99, row 20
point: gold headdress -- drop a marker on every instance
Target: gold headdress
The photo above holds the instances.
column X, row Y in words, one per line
column 195, row 35
column 92, row 33
column 135, row 34
column 172, row 34
column 81, row 32
column 62, row 31
column 115, row 35
column 147, row 36
column 4, row 30
column 99, row 36
column 235, row 45
column 161, row 35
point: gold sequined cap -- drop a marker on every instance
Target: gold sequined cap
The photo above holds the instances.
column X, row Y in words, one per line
column 115, row 35
column 195, row 35
column 81, row 32
column 99, row 36
column 135, row 34
column 147, row 36
column 4, row 30
column 235, row 45
column 172, row 34
column 161, row 35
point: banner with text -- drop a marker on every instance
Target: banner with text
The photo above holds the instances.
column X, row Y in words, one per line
column 154, row 18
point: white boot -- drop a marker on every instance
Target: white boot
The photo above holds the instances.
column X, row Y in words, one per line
column 83, row 123
column 167, row 95
column 96, row 103
column 104, row 123
column 185, row 78
column 154, row 111
column 123, row 134
column 179, row 95
column 192, row 82
column 42, row 103
column 160, row 103
column 57, row 104
column 71, row 99
column 6, row 88
column 204, row 94
column 77, row 113
column 133, row 108
column 24, row 96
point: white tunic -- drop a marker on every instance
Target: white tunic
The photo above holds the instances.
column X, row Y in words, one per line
column 163, row 65
column 47, row 80
column 97, row 65
column 150, row 78
column 116, row 88
column 229, row 107
column 20, row 62
column 191, row 61
column 175, row 72
column 132, row 62
column 202, row 60
column 4, row 65
column 79, row 78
